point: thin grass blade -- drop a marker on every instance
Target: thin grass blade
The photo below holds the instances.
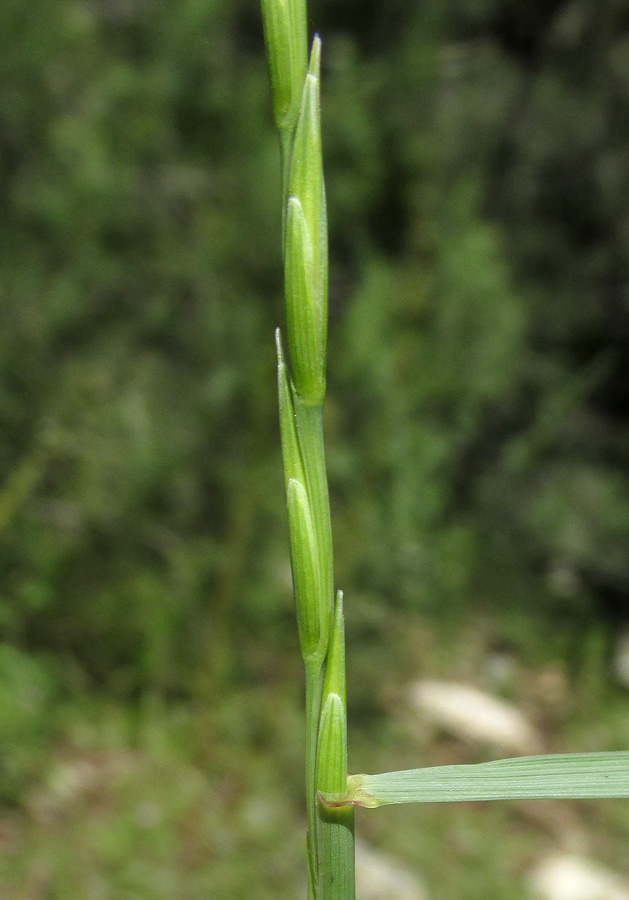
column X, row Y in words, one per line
column 569, row 776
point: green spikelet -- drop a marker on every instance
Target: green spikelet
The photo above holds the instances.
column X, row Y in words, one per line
column 287, row 49
column 305, row 257
column 336, row 824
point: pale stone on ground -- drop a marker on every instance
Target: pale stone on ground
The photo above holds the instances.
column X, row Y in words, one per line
column 474, row 715
column 571, row 877
column 381, row 877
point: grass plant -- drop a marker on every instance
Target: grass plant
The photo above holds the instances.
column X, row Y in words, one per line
column 330, row 794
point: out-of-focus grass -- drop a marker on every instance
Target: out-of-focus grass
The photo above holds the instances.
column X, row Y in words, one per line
column 144, row 803
column 126, row 809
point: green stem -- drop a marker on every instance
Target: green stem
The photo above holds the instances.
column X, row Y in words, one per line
column 336, row 853
column 296, row 105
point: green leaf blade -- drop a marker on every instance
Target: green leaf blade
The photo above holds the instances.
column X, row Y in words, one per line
column 569, row 776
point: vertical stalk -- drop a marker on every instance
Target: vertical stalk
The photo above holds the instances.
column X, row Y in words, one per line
column 301, row 388
column 337, row 876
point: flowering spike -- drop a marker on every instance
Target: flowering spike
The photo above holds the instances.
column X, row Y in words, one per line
column 296, row 86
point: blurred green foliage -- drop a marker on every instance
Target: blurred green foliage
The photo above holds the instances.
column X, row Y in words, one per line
column 475, row 160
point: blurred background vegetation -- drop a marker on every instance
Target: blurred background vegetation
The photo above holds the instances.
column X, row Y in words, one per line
column 477, row 422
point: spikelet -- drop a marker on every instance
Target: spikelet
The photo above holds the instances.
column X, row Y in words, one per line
column 287, row 49
column 305, row 256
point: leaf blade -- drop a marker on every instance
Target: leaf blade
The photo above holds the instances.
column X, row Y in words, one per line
column 557, row 776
